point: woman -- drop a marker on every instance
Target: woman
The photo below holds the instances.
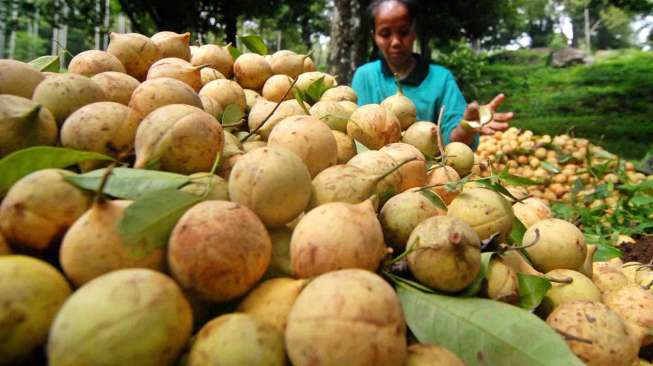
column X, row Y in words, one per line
column 428, row 86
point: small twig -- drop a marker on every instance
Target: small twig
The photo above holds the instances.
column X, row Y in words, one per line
column 271, row 113
column 394, row 169
column 571, row 337
column 439, row 135
column 399, row 89
column 424, row 188
column 406, row 252
column 64, row 49
column 209, row 182
column 436, row 165
column 399, row 268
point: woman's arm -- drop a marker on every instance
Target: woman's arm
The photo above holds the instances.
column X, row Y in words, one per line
column 460, row 134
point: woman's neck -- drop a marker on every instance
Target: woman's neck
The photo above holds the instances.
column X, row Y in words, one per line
column 403, row 70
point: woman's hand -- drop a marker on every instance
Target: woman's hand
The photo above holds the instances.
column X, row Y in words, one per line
column 499, row 121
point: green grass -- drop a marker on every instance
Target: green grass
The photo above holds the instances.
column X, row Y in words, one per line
column 610, row 102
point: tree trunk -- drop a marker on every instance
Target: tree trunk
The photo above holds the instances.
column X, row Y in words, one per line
column 305, row 32
column 63, row 36
column 476, row 45
column 30, row 40
column 122, row 23
column 424, row 45
column 96, row 29
column 588, row 32
column 14, row 25
column 128, row 9
column 3, row 28
column 230, row 20
column 107, row 24
column 35, row 30
column 55, row 28
column 577, row 30
column 348, row 47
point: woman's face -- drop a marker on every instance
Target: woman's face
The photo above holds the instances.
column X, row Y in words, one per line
column 394, row 32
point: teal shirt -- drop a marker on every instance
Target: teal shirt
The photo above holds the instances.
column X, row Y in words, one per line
column 429, row 86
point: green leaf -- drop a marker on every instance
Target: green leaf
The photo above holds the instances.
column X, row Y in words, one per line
column 457, row 186
column 641, row 200
column 46, row 63
column 360, row 148
column 531, row 290
column 151, row 218
column 23, row 162
column 549, row 167
column 564, row 158
column 235, row 52
column 231, row 114
column 603, row 154
column 517, row 180
column 299, row 97
column 413, row 284
column 647, row 184
column 483, row 332
column 517, row 232
column 434, row 198
column 497, row 188
column 386, row 195
column 476, row 285
column 129, row 183
column 316, row 89
column 605, row 252
column 254, row 43
column 578, row 186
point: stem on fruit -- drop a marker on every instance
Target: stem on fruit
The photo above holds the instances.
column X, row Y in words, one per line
column 307, row 55
column 202, row 66
column 238, row 123
column 571, row 337
column 566, row 280
column 33, row 113
column 100, row 198
column 535, row 241
column 649, row 286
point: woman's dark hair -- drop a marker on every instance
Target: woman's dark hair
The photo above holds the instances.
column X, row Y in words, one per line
column 413, row 7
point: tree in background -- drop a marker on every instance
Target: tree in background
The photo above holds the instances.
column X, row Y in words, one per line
column 29, row 28
column 350, row 38
column 41, row 27
column 540, row 19
column 608, row 21
column 210, row 20
column 294, row 25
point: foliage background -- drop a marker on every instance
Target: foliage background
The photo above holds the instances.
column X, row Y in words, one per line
column 608, row 101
